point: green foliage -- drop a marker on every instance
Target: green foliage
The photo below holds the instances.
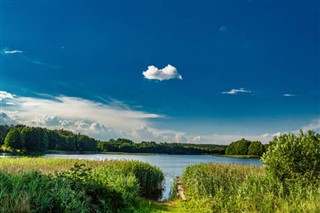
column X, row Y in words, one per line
column 245, row 147
column 150, row 178
column 85, row 143
column 125, row 145
column 234, row 188
column 4, row 129
column 256, row 148
column 58, row 141
column 292, row 157
column 36, row 140
column 34, row 192
column 14, row 140
column 112, row 186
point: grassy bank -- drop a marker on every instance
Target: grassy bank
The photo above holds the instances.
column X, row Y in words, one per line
column 234, row 188
column 67, row 185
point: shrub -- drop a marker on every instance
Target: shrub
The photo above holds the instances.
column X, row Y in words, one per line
column 292, row 157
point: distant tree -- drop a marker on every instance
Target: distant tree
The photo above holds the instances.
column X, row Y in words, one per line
column 85, row 143
column 14, row 140
column 238, row 147
column 4, row 129
column 36, row 139
column 57, row 141
column 256, row 148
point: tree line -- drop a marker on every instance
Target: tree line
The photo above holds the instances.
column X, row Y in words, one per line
column 125, row 145
column 25, row 139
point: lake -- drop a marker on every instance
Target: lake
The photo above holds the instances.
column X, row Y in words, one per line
column 171, row 165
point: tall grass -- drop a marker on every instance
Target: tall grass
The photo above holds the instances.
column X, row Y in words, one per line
column 60, row 185
column 234, row 188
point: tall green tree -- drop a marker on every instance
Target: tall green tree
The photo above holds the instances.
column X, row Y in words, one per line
column 4, row 129
column 14, row 140
column 36, row 139
column 85, row 143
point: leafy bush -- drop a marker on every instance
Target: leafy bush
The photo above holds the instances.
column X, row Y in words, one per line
column 292, row 157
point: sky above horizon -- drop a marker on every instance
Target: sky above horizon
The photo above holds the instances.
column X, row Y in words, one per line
column 175, row 71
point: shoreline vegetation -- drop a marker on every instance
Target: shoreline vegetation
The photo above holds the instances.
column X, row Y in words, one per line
column 289, row 181
column 33, row 141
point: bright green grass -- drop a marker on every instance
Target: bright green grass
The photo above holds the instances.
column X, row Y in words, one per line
column 234, row 188
column 44, row 185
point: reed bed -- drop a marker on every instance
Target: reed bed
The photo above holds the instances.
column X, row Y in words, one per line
column 69, row 185
column 235, row 188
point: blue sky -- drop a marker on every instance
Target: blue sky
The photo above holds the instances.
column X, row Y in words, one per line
column 179, row 71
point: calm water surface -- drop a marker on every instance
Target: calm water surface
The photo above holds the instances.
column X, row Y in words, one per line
column 171, row 165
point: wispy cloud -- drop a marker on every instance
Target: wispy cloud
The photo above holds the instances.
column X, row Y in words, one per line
column 289, row 95
column 27, row 58
column 166, row 73
column 10, row 52
column 236, row 91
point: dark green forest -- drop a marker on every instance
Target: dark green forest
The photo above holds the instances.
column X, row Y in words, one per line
column 246, row 147
column 22, row 139
column 125, row 145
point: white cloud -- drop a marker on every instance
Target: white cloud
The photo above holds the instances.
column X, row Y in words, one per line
column 5, row 95
column 75, row 114
column 180, row 138
column 110, row 120
column 277, row 134
column 289, row 95
column 10, row 52
column 236, row 91
column 196, row 139
column 166, row 73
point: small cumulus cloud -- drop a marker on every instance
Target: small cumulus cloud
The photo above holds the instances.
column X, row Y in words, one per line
column 289, row 95
column 236, row 91
column 223, row 29
column 166, row 73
